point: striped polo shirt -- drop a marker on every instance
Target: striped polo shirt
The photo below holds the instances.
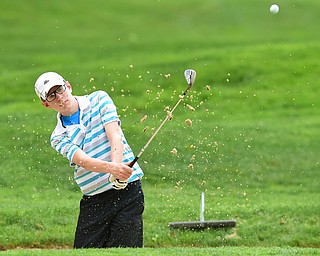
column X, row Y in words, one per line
column 96, row 110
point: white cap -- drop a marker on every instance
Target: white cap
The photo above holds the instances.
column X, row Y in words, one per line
column 46, row 81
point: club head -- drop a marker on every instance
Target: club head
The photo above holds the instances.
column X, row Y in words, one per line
column 190, row 76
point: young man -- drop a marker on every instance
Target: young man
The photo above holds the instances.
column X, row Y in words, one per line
column 89, row 134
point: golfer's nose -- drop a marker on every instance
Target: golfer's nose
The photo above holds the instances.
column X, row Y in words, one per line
column 58, row 97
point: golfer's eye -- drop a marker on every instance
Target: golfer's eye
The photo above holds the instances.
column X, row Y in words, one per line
column 51, row 97
column 60, row 89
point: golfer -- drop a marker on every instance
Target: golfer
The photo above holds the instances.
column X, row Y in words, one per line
column 89, row 134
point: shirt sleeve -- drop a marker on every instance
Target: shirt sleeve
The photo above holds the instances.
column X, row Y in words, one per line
column 62, row 144
column 107, row 109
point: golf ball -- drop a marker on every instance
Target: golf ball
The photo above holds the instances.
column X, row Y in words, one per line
column 274, row 9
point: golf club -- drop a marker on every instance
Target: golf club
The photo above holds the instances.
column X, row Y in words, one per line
column 190, row 76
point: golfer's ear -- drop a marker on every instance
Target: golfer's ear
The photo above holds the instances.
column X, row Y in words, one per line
column 69, row 86
column 45, row 104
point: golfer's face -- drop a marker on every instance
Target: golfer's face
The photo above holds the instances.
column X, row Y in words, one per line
column 58, row 98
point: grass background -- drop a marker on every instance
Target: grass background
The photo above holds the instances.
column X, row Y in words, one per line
column 254, row 140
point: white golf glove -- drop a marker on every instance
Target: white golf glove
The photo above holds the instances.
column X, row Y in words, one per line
column 117, row 184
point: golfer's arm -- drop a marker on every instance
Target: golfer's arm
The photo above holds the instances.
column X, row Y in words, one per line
column 114, row 135
column 93, row 164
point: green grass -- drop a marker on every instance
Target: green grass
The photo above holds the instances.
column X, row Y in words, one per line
column 254, row 140
column 174, row 251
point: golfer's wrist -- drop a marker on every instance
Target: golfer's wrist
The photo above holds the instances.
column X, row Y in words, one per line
column 112, row 168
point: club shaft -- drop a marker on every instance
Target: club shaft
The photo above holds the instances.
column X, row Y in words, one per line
column 155, row 133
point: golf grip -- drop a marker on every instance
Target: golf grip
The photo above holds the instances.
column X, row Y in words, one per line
column 133, row 161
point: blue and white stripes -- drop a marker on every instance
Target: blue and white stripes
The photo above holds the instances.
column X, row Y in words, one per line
column 96, row 110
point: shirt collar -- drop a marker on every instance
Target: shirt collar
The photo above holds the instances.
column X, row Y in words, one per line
column 83, row 102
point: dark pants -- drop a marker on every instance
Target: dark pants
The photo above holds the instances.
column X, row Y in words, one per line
column 111, row 219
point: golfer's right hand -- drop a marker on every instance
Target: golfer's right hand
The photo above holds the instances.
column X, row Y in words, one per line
column 121, row 171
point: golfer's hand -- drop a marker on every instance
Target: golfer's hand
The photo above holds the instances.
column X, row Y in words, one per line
column 118, row 184
column 121, row 171
column 119, row 179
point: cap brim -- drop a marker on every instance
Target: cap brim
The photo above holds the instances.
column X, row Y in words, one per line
column 47, row 88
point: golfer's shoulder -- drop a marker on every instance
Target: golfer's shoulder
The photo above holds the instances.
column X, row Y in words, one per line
column 98, row 95
column 100, row 98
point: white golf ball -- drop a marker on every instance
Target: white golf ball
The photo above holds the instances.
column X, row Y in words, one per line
column 274, row 9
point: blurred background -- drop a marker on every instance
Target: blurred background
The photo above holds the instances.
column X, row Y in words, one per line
column 253, row 146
